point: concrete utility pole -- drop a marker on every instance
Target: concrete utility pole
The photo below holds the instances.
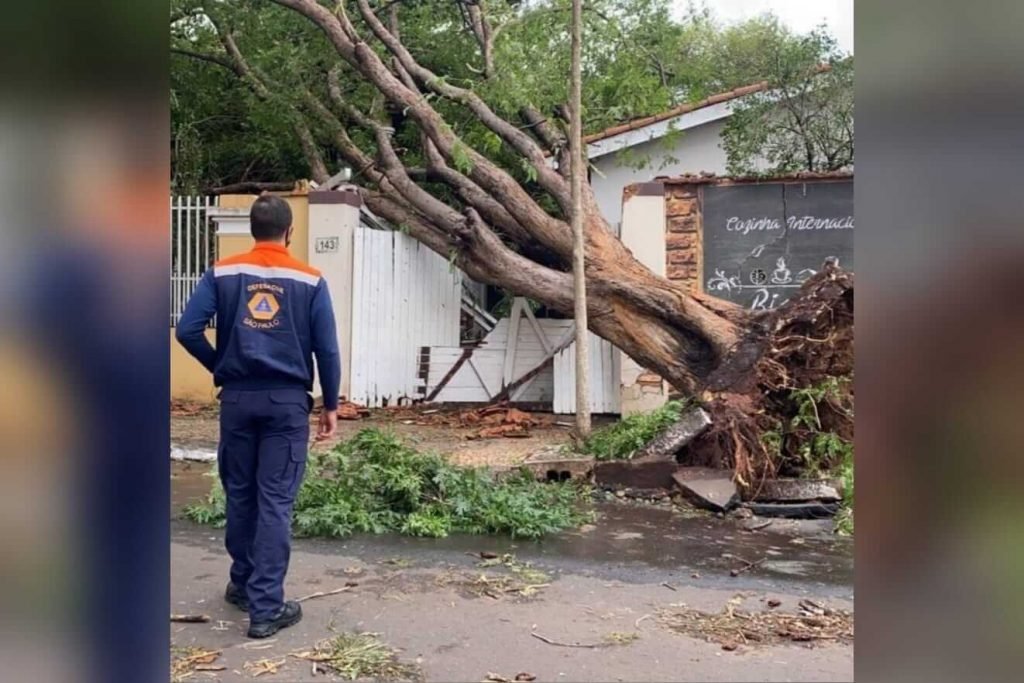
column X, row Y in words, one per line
column 577, row 173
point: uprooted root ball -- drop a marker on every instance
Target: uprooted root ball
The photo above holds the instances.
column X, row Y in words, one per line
column 792, row 412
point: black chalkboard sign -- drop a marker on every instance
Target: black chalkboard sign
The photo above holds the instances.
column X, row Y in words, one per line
column 762, row 241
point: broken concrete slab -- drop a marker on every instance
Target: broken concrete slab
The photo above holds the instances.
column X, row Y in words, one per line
column 799, row 491
column 707, row 488
column 635, row 475
column 691, row 424
column 812, row 510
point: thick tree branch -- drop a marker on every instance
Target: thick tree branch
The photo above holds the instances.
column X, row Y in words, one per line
column 547, row 178
column 545, row 229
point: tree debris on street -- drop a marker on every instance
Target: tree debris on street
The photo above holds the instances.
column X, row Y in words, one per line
column 359, row 656
column 734, row 627
column 187, row 661
column 190, row 618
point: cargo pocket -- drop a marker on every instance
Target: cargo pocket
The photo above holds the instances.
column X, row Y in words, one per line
column 298, row 454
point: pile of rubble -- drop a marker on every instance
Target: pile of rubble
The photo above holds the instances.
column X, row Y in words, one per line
column 489, row 422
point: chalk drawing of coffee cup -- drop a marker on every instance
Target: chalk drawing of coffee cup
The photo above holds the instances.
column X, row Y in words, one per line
column 781, row 275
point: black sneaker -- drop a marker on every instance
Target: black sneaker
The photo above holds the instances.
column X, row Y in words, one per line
column 236, row 596
column 289, row 615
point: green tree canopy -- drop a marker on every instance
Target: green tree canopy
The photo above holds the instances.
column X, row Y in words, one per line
column 638, row 60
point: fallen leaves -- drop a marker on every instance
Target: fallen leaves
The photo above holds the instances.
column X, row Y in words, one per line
column 733, row 627
column 358, row 655
column 490, row 585
column 621, row 638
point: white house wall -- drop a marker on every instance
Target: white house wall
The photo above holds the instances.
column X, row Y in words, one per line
column 696, row 149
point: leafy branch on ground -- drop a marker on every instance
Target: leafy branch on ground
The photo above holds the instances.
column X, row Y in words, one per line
column 813, row 433
column 359, row 656
column 619, row 441
column 376, row 483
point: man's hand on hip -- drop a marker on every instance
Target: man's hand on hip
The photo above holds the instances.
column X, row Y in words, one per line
column 328, row 424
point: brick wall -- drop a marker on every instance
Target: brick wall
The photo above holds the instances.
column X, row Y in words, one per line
column 683, row 246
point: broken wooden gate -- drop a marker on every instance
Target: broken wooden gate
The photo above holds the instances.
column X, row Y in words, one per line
column 522, row 360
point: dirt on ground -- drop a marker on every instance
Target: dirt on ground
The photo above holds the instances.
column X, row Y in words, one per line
column 493, row 436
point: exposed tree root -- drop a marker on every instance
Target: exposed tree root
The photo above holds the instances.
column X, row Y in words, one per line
column 806, row 344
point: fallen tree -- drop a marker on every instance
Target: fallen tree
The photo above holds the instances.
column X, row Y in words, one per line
column 415, row 170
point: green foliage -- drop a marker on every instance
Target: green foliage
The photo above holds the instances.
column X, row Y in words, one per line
column 361, row 656
column 844, row 521
column 460, row 157
column 620, row 440
column 639, row 58
column 375, row 483
column 804, row 122
column 821, row 452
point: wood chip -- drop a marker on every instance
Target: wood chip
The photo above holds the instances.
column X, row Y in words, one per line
column 190, row 618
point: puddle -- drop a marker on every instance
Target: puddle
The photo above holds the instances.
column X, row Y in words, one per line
column 189, row 484
column 628, row 543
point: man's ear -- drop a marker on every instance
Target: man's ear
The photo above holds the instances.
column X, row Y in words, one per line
column 288, row 235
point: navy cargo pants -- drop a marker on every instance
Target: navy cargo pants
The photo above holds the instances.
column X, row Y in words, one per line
column 261, row 459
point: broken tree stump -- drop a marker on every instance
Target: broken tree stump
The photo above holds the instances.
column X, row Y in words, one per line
column 691, row 424
column 706, row 488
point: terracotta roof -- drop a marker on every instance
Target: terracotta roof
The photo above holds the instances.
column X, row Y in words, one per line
column 726, row 96
column 676, row 111
column 711, row 178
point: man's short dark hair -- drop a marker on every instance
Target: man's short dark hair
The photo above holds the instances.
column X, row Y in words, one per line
column 269, row 218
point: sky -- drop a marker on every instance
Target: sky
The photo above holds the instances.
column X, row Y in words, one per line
column 799, row 15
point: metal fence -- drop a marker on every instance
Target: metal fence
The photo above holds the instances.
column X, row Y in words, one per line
column 193, row 247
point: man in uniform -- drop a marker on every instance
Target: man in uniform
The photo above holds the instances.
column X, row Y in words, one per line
column 273, row 315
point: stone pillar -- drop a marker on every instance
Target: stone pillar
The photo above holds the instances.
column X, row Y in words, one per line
column 643, row 233
column 333, row 219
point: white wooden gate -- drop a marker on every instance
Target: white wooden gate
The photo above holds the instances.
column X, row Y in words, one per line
column 605, row 378
column 404, row 296
column 531, row 357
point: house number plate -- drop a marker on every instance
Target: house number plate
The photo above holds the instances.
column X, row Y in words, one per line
column 326, row 245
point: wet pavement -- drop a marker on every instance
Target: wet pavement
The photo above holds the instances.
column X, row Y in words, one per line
column 631, row 562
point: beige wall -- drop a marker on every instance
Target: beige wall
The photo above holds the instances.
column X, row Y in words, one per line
column 643, row 232
column 229, row 245
column 190, row 381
